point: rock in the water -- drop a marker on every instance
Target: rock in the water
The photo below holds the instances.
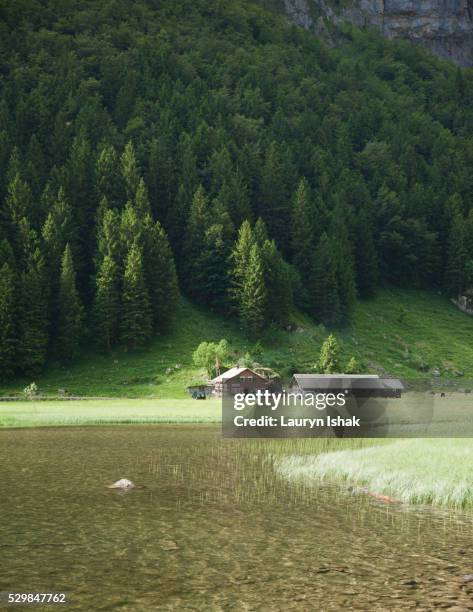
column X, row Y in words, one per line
column 123, row 483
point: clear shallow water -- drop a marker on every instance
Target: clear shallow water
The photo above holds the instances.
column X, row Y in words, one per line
column 214, row 529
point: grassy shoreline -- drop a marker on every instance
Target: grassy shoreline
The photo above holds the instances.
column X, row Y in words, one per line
column 70, row 413
column 426, row 471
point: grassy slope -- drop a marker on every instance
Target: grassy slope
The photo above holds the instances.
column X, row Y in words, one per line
column 435, row 333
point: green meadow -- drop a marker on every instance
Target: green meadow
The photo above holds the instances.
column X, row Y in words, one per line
column 404, row 332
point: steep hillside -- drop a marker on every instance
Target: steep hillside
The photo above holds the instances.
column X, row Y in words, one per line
column 406, row 333
column 446, row 28
column 216, row 150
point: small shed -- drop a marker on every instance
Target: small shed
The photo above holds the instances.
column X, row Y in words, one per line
column 239, row 380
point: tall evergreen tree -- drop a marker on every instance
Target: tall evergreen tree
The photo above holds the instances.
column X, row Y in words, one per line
column 366, row 257
column 326, row 302
column 107, row 303
column 344, row 258
column 33, row 314
column 198, row 222
column 240, row 258
column 252, row 305
column 110, row 183
column 8, row 321
column 130, row 171
column 136, row 318
column 303, row 241
column 455, row 269
column 160, row 274
column 279, row 303
column 70, row 319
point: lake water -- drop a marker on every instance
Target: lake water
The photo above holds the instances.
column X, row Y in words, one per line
column 213, row 529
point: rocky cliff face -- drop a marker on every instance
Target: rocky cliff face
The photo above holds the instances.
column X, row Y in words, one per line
column 444, row 26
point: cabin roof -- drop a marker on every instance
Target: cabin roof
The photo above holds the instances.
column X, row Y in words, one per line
column 232, row 372
column 350, row 381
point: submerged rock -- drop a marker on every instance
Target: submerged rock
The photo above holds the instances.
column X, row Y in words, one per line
column 123, row 483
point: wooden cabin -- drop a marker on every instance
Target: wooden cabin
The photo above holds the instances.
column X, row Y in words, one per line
column 238, row 380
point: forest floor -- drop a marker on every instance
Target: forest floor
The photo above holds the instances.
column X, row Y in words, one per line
column 407, row 333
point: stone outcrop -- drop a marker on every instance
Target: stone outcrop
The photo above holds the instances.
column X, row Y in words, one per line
column 443, row 26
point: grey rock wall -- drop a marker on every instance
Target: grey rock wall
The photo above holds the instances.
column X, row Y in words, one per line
column 443, row 26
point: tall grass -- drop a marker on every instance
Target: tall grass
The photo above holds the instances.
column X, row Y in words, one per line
column 427, row 471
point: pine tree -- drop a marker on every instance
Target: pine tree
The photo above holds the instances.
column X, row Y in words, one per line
column 33, row 315
column 240, row 257
column 161, row 176
column 326, row 303
column 69, row 329
column 58, row 230
column 130, row 171
column 160, row 275
column 278, row 284
column 455, row 269
column 252, row 305
column 136, row 318
column 329, row 361
column 110, row 183
column 8, row 321
column 131, row 228
column 199, row 221
column 141, row 200
column 344, row 262
column 109, row 240
column 274, row 206
column 107, row 304
column 366, row 257
column 18, row 206
column 81, row 193
column 211, row 275
column 303, row 242
column 260, row 232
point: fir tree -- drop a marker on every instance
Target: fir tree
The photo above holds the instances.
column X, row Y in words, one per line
column 455, row 269
column 303, row 242
column 107, row 304
column 240, row 257
column 211, row 275
column 130, row 171
column 57, row 231
column 260, row 232
column 366, row 257
column 69, row 329
column 326, row 303
column 8, row 320
column 278, row 284
column 33, row 314
column 136, row 319
column 343, row 253
column 198, row 222
column 110, row 183
column 141, row 200
column 252, row 305
column 160, row 274
column 109, row 240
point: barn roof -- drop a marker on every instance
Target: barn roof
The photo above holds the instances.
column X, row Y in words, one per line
column 346, row 381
